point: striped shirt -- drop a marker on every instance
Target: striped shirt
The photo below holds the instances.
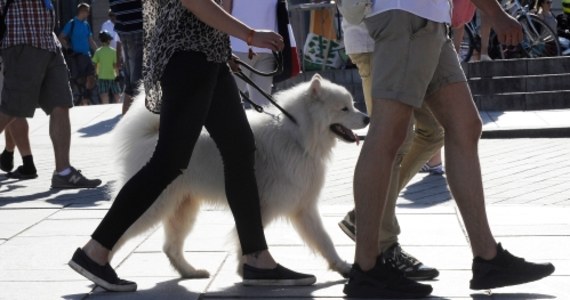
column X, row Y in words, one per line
column 129, row 15
column 29, row 22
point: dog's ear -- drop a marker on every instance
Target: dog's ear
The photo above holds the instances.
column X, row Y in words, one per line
column 316, row 85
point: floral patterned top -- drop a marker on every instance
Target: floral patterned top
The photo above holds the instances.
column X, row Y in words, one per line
column 168, row 28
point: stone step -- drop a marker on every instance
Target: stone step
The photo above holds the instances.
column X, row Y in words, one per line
column 523, row 101
column 518, row 84
column 513, row 84
column 518, row 67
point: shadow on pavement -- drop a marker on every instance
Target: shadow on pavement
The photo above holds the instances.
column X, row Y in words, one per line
column 430, row 190
column 170, row 289
column 100, row 128
column 79, row 197
column 511, row 296
column 238, row 291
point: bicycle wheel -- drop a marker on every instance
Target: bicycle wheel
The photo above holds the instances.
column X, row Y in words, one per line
column 539, row 40
column 467, row 45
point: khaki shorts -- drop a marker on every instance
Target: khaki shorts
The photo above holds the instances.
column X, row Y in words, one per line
column 34, row 77
column 413, row 57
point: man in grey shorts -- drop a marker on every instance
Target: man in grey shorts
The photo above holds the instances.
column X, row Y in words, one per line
column 35, row 74
column 414, row 59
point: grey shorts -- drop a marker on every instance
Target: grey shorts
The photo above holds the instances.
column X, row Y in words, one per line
column 34, row 77
column 413, row 57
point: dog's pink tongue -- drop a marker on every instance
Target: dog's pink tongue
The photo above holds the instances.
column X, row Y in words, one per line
column 356, row 139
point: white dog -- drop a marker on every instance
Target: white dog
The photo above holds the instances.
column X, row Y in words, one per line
column 290, row 166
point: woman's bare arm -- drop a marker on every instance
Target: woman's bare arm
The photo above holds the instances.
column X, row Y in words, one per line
column 212, row 14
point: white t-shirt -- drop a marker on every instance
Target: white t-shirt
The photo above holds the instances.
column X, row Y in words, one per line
column 434, row 10
column 110, row 28
column 257, row 14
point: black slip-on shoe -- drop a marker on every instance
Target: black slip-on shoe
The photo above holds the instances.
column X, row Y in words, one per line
column 278, row 276
column 103, row 276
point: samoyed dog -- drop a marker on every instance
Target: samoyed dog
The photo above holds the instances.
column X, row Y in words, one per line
column 291, row 161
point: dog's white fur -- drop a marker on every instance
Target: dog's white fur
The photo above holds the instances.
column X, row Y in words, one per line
column 290, row 168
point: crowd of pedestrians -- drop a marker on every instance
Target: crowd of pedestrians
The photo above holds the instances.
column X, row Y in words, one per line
column 418, row 100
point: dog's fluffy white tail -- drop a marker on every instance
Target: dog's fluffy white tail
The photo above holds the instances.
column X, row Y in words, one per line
column 134, row 139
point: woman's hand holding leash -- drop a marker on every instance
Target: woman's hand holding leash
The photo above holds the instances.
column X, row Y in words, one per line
column 265, row 39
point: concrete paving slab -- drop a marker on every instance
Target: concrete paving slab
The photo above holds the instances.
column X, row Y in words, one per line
column 26, row 290
column 14, row 221
column 55, row 228
column 156, row 264
column 79, row 214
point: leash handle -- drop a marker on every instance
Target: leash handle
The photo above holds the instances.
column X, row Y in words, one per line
column 269, row 97
column 278, row 68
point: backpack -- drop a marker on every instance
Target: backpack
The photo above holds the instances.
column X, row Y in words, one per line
column 354, row 11
column 69, row 51
column 2, row 21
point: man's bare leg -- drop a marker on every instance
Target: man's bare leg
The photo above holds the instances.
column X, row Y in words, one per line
column 454, row 108
column 60, row 134
column 4, row 121
column 17, row 134
column 387, row 131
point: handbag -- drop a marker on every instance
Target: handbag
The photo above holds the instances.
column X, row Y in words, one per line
column 291, row 64
column 3, row 21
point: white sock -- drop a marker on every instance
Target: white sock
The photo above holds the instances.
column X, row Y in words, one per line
column 65, row 172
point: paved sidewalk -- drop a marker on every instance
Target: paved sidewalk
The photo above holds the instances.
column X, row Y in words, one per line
column 528, row 195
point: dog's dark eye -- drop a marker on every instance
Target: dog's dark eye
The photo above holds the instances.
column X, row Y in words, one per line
column 345, row 109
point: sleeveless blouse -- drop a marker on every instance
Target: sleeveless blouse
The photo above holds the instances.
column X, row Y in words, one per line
column 169, row 28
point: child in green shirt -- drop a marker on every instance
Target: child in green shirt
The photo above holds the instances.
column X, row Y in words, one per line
column 105, row 60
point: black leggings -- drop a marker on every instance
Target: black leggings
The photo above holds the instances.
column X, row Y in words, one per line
column 196, row 93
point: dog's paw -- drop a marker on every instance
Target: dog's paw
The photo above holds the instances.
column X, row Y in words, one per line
column 343, row 268
column 195, row 274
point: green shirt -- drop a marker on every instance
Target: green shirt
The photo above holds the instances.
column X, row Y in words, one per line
column 105, row 58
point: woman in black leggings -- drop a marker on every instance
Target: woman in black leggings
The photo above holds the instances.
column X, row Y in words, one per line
column 187, row 81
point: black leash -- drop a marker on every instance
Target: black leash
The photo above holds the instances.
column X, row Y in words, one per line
column 278, row 69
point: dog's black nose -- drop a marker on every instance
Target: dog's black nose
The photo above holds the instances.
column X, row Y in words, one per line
column 366, row 120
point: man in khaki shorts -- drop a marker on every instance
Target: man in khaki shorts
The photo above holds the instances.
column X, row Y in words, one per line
column 415, row 59
column 35, row 75
column 424, row 139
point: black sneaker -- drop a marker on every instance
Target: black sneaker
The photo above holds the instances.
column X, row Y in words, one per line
column 6, row 161
column 73, row 180
column 506, row 269
column 21, row 174
column 409, row 265
column 277, row 276
column 348, row 226
column 383, row 281
column 103, row 276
